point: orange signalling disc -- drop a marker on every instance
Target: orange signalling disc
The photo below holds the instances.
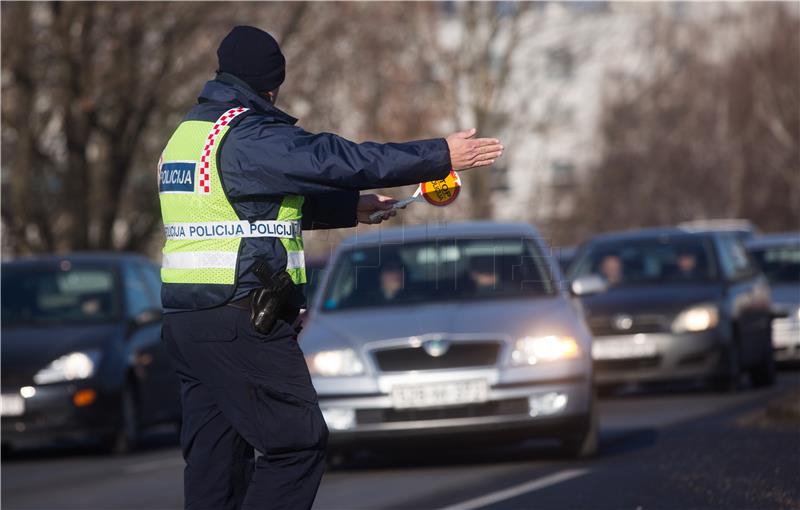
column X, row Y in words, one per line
column 443, row 191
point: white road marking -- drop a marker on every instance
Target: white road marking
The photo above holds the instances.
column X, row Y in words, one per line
column 518, row 490
column 154, row 465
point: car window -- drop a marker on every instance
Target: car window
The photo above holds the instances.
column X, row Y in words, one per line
column 781, row 264
column 152, row 278
column 645, row 261
column 441, row 270
column 58, row 294
column 733, row 257
column 137, row 295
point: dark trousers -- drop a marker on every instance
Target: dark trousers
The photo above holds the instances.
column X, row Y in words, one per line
column 243, row 390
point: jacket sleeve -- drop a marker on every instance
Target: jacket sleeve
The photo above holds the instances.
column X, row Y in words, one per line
column 281, row 159
column 336, row 209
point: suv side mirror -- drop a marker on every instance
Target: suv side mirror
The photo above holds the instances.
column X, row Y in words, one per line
column 588, row 284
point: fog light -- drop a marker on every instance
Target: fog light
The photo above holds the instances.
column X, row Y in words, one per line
column 338, row 418
column 27, row 391
column 84, row 398
column 546, row 404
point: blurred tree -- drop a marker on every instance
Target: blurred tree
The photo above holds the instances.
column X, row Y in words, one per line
column 476, row 55
column 91, row 91
column 709, row 134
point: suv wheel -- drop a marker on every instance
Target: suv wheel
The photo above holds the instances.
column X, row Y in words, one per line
column 585, row 444
column 126, row 438
column 730, row 379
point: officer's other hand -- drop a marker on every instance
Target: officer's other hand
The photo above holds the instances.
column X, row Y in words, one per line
column 368, row 204
column 467, row 152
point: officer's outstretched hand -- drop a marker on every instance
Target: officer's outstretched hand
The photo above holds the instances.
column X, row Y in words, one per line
column 467, row 152
column 368, row 204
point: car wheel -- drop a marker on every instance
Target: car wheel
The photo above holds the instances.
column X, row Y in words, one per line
column 126, row 438
column 586, row 443
column 763, row 374
column 730, row 379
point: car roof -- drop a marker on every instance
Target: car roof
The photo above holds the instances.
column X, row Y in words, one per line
column 774, row 240
column 424, row 232
column 85, row 257
column 647, row 233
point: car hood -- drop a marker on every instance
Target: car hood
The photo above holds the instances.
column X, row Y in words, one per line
column 496, row 319
column 27, row 349
column 662, row 299
column 787, row 296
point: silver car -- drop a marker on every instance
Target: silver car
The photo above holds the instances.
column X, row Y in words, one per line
column 437, row 332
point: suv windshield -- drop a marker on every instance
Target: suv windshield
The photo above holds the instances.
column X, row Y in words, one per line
column 645, row 261
column 781, row 264
column 46, row 294
column 442, row 270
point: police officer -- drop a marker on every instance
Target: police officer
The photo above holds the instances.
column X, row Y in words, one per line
column 237, row 183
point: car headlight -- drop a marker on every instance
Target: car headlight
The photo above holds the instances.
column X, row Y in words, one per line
column 335, row 363
column 696, row 318
column 70, row 367
column 532, row 350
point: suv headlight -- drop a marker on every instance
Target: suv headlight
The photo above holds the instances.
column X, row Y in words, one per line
column 532, row 350
column 696, row 318
column 341, row 362
column 70, row 367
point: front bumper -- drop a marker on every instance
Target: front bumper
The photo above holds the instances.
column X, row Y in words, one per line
column 50, row 416
column 675, row 357
column 505, row 415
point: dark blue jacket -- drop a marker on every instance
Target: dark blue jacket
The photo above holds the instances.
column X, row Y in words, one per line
column 265, row 157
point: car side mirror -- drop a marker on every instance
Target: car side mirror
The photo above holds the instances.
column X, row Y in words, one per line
column 588, row 284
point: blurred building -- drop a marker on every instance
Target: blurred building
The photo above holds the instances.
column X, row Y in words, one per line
column 570, row 57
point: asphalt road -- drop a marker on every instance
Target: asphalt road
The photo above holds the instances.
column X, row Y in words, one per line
column 676, row 449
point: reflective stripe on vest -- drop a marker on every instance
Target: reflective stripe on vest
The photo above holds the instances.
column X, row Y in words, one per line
column 203, row 232
column 223, row 229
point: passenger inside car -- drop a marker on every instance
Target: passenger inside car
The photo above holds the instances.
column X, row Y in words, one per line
column 482, row 274
column 611, row 269
column 392, row 278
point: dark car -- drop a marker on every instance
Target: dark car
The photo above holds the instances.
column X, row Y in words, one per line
column 671, row 304
column 81, row 351
column 778, row 255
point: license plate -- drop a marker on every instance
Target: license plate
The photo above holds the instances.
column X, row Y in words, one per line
column 12, row 405
column 440, row 394
column 623, row 348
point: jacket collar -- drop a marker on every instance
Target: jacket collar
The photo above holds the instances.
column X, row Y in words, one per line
column 227, row 88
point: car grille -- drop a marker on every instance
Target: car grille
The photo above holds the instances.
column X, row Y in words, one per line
column 785, row 332
column 458, row 355
column 626, row 364
column 607, row 325
column 496, row 408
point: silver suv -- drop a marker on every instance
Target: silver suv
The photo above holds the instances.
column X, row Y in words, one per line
column 446, row 331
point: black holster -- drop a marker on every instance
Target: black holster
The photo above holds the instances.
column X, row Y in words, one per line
column 267, row 304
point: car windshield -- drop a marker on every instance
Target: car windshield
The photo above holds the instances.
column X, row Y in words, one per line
column 646, row 261
column 781, row 264
column 441, row 270
column 54, row 295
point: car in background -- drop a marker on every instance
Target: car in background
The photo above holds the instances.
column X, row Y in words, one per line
column 315, row 273
column 744, row 230
column 778, row 256
column 82, row 357
column 669, row 304
column 450, row 331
